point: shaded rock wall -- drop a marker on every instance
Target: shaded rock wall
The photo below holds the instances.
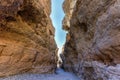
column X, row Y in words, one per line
column 26, row 37
column 92, row 48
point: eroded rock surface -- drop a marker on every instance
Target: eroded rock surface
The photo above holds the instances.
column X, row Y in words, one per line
column 26, row 37
column 68, row 7
column 92, row 48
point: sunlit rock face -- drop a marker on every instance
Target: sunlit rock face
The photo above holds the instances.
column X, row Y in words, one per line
column 92, row 48
column 26, row 37
column 68, row 7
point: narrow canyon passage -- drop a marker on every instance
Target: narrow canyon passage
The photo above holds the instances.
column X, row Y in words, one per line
column 38, row 38
column 31, row 39
column 57, row 15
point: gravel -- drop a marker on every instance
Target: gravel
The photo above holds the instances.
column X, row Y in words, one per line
column 60, row 75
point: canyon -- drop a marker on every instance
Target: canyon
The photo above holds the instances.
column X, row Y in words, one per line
column 91, row 50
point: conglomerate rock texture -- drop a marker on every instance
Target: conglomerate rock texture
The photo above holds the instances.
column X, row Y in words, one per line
column 26, row 37
column 92, row 48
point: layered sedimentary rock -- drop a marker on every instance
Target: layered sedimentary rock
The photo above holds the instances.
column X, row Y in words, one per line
column 92, row 48
column 26, row 37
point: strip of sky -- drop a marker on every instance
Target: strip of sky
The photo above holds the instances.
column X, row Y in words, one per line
column 57, row 16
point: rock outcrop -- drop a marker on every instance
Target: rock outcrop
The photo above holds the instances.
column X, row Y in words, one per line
column 26, row 37
column 92, row 48
column 68, row 6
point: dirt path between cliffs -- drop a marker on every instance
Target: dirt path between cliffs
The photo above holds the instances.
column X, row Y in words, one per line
column 61, row 75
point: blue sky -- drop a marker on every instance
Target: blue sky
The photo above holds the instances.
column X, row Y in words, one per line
column 57, row 16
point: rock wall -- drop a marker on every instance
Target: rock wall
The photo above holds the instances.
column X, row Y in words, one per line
column 68, row 6
column 92, row 48
column 26, row 37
